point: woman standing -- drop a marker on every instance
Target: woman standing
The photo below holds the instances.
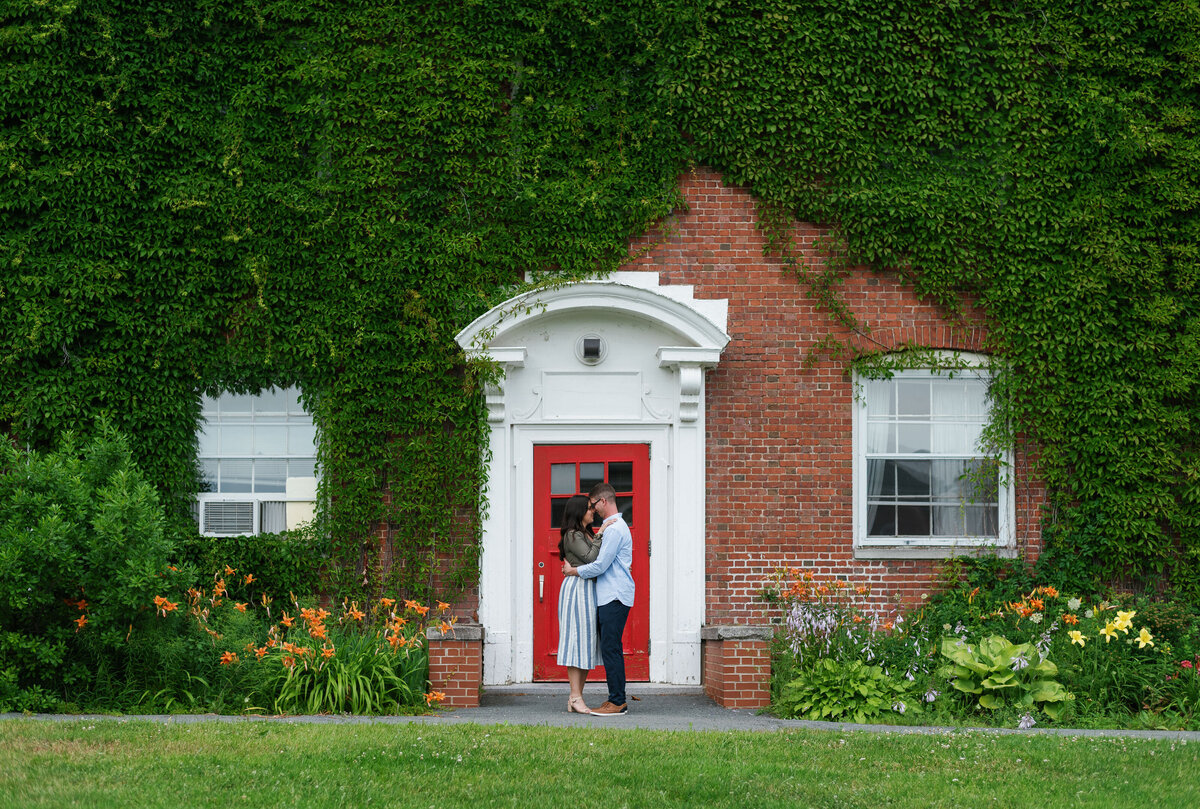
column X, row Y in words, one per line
column 578, row 639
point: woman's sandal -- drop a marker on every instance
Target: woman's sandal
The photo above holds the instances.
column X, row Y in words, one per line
column 576, row 705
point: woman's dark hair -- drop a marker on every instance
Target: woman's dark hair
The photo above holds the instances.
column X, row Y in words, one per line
column 572, row 519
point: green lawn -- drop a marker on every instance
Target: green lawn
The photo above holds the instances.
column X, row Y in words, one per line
column 101, row 763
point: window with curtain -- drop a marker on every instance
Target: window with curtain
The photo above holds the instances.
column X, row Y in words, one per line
column 922, row 477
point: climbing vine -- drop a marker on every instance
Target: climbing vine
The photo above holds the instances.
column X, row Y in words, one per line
column 235, row 194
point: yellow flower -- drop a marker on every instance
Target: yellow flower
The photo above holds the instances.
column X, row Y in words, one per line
column 1077, row 637
column 1125, row 620
column 1144, row 638
column 1109, row 631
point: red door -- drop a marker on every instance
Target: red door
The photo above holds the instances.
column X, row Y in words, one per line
column 558, row 473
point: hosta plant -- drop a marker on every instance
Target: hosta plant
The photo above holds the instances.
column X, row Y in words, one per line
column 1002, row 673
column 837, row 691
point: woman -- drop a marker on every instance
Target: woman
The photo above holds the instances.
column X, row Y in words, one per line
column 578, row 639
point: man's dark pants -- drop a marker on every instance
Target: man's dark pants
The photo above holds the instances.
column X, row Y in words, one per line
column 611, row 617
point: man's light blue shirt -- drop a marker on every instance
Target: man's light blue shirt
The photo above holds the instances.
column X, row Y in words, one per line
column 612, row 568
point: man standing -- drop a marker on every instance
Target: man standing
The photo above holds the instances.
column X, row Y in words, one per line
column 614, row 593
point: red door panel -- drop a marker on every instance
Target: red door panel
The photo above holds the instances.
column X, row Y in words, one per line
column 559, row 472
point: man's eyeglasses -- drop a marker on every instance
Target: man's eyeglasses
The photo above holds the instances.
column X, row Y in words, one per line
column 592, row 503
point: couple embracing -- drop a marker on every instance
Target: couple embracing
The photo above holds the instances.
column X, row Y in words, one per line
column 596, row 596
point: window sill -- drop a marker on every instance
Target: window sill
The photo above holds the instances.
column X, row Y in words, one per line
column 932, row 551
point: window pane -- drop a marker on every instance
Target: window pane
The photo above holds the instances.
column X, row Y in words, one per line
column 208, row 475
column 562, row 478
column 302, row 468
column 912, row 398
column 208, row 439
column 557, row 506
column 881, row 478
column 302, row 439
column 913, row 438
column 236, row 404
column 912, row 521
column 881, row 521
column 881, row 437
column 948, row 521
column 983, row 521
column 270, row 440
column 982, row 481
column 235, row 475
column 270, row 475
column 620, row 475
column 625, row 505
column 235, row 439
column 946, row 481
column 589, row 475
column 912, row 479
column 877, row 393
column 272, row 400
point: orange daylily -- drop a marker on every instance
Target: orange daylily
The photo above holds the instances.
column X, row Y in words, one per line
column 387, row 602
column 229, row 571
column 228, row 658
column 1070, row 618
column 434, row 696
column 261, row 652
column 1037, row 604
column 287, row 620
column 240, row 607
column 443, row 606
column 80, row 622
column 327, row 652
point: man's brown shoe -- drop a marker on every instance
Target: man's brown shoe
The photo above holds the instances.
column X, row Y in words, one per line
column 608, row 709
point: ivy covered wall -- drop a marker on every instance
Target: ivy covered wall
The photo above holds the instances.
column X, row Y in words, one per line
column 227, row 195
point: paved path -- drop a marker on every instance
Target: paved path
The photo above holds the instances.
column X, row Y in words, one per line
column 654, row 707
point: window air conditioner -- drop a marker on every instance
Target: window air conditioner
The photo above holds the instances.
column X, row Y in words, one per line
column 228, row 517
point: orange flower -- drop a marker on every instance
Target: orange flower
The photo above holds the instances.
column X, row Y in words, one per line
column 443, row 606
column 387, row 602
column 1049, row 592
column 228, row 658
column 420, row 610
column 410, row 604
column 444, row 627
column 287, row 620
column 1037, row 604
column 240, row 607
column 434, row 696
column 164, row 606
column 261, row 652
column 1070, row 618
column 80, row 622
column 355, row 614
column 219, row 588
column 82, row 604
column 318, row 631
column 971, row 597
column 289, row 662
column 327, row 652
column 249, row 578
column 229, row 571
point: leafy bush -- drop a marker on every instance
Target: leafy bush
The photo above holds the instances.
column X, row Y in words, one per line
column 837, row 691
column 290, row 562
column 82, row 552
column 1002, row 673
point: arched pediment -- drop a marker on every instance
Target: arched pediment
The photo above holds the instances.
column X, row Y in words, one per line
column 699, row 324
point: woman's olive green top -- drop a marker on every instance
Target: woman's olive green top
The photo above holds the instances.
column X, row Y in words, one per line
column 580, row 548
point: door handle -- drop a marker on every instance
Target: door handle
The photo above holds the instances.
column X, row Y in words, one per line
column 541, row 588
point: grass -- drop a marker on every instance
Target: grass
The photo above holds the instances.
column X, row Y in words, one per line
column 103, row 763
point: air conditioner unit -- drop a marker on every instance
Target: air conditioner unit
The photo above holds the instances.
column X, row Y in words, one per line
column 227, row 516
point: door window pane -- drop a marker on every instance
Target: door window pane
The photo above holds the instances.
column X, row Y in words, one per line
column 620, row 475
column 589, row 475
column 625, row 506
column 557, row 506
column 562, row 478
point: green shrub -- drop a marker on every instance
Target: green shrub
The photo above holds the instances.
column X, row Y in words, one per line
column 1002, row 673
column 82, row 553
column 836, row 691
column 290, row 562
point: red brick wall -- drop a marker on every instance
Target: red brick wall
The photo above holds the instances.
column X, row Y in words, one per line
column 779, row 424
column 737, row 672
column 456, row 669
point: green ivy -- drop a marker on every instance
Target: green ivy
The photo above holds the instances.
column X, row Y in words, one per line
column 236, row 194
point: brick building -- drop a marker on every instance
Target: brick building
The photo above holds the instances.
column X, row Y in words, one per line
column 694, row 381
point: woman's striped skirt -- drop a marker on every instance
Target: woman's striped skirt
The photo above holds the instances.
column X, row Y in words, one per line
column 578, row 637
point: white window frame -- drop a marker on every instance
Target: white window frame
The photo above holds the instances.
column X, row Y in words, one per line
column 931, row 547
column 303, row 493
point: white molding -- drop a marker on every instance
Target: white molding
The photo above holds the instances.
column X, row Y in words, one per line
column 662, row 329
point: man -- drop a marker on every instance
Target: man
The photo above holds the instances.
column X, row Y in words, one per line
column 614, row 593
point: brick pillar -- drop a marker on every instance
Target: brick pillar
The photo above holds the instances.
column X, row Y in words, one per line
column 456, row 664
column 737, row 665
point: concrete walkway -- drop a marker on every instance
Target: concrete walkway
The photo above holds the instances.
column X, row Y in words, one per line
column 652, row 707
